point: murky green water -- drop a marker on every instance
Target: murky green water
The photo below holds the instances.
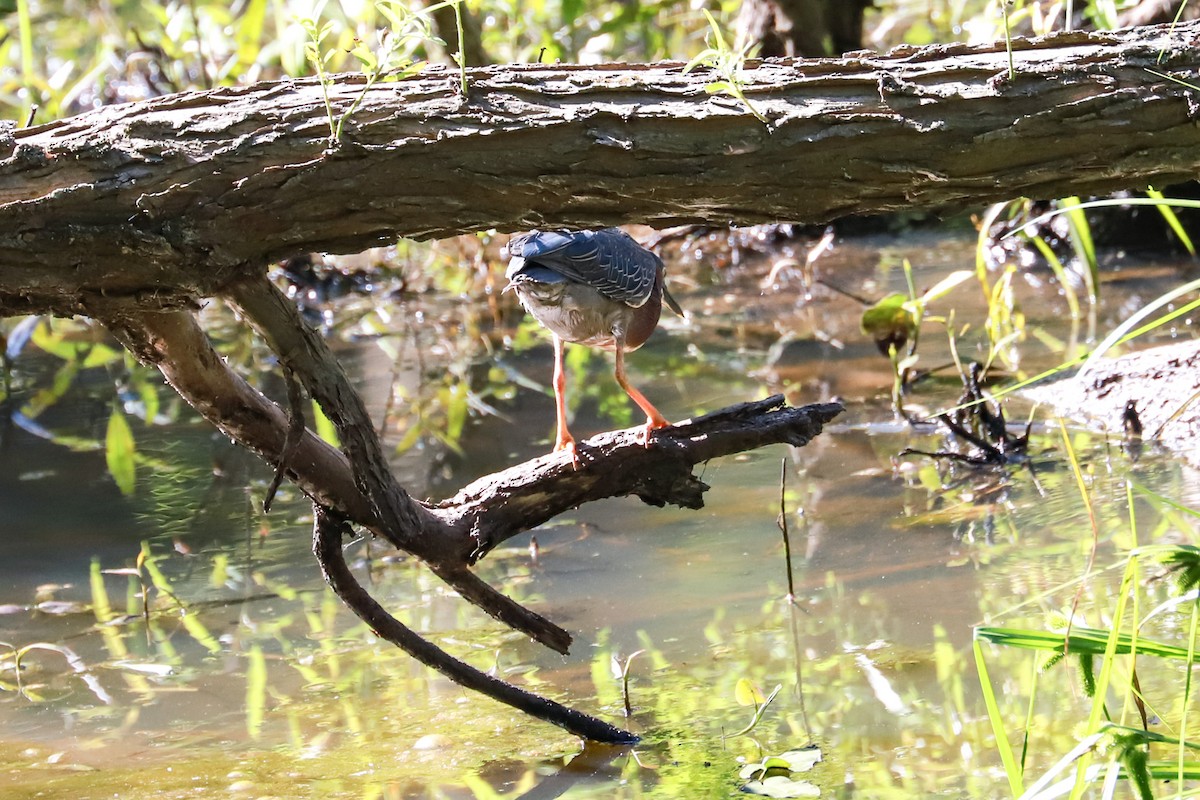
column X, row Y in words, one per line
column 250, row 680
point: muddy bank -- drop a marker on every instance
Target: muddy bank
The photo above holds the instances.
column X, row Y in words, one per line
column 1163, row 384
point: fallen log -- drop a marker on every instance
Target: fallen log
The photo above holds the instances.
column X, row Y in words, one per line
column 168, row 200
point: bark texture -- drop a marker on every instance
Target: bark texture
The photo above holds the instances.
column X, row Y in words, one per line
column 171, row 199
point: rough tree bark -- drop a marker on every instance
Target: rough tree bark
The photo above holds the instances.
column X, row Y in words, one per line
column 133, row 214
column 171, row 199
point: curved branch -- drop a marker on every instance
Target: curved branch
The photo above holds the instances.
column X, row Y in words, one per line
column 174, row 342
column 327, row 546
column 404, row 522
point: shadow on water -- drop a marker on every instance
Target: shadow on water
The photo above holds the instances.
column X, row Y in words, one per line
column 246, row 677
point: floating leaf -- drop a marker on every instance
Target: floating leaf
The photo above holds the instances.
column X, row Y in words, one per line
column 747, row 694
column 781, row 786
column 772, row 777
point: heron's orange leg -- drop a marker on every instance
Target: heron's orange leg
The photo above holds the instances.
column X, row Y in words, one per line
column 654, row 420
column 563, row 439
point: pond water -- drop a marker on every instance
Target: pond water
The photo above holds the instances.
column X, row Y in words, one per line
column 250, row 680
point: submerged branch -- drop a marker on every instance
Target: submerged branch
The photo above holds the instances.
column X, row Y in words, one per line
column 327, row 546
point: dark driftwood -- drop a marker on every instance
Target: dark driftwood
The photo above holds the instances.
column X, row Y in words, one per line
column 328, row 532
column 169, row 200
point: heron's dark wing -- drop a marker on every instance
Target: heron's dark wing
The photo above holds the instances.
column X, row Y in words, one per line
column 609, row 261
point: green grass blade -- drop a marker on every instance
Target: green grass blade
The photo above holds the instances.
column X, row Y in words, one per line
column 1172, row 219
column 1121, row 332
column 1011, row 770
column 1081, row 241
column 1081, row 641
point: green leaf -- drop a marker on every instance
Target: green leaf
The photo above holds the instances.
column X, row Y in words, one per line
column 119, row 452
column 946, row 284
column 890, row 322
column 324, row 426
column 747, row 694
column 718, row 39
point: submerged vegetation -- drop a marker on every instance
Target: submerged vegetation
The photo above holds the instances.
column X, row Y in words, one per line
column 1079, row 560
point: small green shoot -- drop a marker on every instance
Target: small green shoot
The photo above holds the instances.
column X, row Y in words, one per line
column 390, row 59
column 625, row 680
column 748, row 694
column 727, row 62
column 320, row 58
column 1012, row 72
column 25, row 28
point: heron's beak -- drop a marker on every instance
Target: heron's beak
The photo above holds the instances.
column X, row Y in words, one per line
column 671, row 304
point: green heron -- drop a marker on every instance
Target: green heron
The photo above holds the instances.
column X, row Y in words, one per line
column 599, row 288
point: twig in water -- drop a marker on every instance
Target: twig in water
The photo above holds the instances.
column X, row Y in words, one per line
column 295, row 433
column 625, row 680
column 328, row 530
column 783, row 527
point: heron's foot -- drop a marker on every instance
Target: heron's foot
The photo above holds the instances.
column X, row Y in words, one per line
column 568, row 443
column 653, row 423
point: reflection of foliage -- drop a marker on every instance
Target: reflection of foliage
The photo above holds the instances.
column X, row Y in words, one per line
column 82, row 353
column 1115, row 646
column 325, row 699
